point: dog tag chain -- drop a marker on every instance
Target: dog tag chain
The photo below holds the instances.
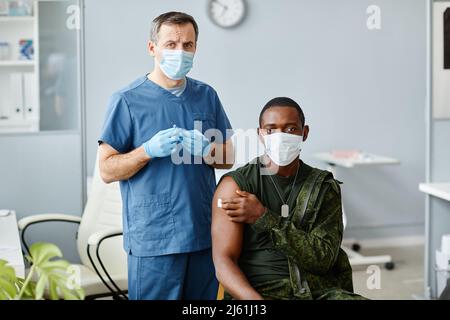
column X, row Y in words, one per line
column 285, row 206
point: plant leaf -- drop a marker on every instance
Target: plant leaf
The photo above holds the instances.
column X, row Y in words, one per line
column 50, row 266
column 7, row 290
column 53, row 272
column 6, row 271
column 29, row 290
column 40, row 286
column 53, row 291
column 7, row 281
column 42, row 251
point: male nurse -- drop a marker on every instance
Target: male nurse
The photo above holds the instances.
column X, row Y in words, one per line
column 163, row 136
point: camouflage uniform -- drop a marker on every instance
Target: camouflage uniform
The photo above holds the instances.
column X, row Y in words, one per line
column 311, row 239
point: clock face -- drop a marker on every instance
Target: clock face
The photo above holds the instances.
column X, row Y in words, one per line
column 227, row 13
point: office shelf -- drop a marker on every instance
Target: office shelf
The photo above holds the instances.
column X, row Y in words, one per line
column 17, row 63
column 16, row 19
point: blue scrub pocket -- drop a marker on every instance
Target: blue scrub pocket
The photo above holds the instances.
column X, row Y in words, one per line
column 153, row 216
column 208, row 120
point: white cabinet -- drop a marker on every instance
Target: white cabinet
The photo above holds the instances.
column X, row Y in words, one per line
column 41, row 93
column 19, row 74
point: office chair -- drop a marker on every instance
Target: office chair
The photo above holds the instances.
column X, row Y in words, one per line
column 103, row 268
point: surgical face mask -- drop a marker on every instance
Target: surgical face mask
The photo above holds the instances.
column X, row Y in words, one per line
column 283, row 148
column 176, row 64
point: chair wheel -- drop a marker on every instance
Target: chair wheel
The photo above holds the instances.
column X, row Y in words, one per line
column 389, row 265
column 356, row 247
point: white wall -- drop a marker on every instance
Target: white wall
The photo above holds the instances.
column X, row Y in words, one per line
column 41, row 173
column 359, row 89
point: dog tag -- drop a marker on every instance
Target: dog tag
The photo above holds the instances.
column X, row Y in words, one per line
column 285, row 211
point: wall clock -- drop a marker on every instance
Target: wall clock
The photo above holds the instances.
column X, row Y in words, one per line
column 227, row 13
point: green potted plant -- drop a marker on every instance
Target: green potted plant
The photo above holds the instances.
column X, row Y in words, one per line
column 49, row 277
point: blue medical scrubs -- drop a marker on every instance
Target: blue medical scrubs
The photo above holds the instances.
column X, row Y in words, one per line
column 167, row 204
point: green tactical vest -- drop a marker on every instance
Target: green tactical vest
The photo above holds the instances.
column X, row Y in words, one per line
column 306, row 285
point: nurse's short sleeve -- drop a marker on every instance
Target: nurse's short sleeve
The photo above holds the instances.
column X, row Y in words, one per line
column 117, row 128
column 222, row 122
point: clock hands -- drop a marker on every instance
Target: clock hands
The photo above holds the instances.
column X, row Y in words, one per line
column 221, row 5
column 227, row 13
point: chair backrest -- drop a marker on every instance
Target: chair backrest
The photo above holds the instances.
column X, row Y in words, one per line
column 103, row 211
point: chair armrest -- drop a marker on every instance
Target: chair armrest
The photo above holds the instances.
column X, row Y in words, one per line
column 99, row 236
column 25, row 222
column 95, row 240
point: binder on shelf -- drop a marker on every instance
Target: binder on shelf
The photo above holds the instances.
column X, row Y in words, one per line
column 30, row 96
column 16, row 91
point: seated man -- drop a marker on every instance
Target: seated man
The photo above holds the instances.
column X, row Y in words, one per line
column 277, row 222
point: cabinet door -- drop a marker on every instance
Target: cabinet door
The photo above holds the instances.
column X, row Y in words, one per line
column 441, row 60
column 447, row 38
column 58, row 25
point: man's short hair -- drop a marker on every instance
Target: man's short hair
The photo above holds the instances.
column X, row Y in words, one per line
column 169, row 18
column 283, row 102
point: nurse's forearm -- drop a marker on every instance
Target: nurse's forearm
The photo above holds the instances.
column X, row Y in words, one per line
column 119, row 167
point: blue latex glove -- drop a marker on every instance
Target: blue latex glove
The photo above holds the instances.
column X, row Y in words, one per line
column 163, row 143
column 195, row 142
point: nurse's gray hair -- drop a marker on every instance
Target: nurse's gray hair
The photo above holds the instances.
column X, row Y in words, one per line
column 172, row 17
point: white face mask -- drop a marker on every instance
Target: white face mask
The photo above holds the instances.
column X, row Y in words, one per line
column 283, row 148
